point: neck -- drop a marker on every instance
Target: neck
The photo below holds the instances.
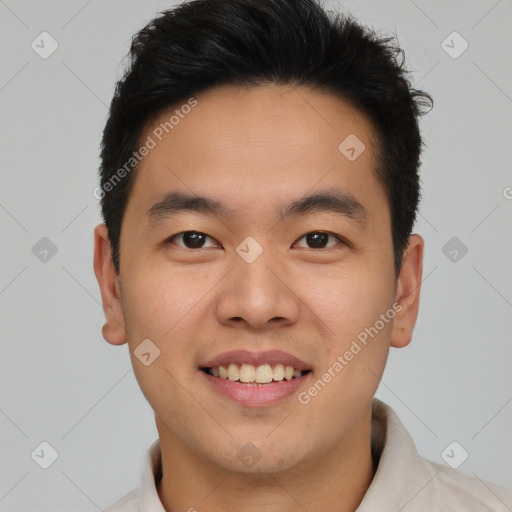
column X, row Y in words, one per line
column 335, row 480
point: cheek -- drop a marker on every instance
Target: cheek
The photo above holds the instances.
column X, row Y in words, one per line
column 159, row 306
column 347, row 307
column 356, row 344
column 155, row 300
column 345, row 300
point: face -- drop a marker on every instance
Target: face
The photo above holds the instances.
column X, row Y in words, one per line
column 288, row 261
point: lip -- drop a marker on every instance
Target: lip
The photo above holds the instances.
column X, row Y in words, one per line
column 253, row 394
column 272, row 357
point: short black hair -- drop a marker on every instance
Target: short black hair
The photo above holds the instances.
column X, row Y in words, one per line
column 201, row 44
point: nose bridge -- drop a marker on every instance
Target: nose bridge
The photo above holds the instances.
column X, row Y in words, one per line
column 255, row 279
column 253, row 291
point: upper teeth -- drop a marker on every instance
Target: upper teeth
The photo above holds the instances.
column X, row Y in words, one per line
column 261, row 374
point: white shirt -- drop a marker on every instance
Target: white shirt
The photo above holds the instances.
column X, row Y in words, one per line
column 403, row 482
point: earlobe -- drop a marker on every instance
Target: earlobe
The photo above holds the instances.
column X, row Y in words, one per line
column 114, row 330
column 408, row 292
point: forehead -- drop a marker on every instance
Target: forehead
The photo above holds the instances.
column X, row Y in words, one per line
column 249, row 147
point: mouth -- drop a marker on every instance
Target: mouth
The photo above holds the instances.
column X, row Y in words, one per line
column 255, row 379
column 247, row 373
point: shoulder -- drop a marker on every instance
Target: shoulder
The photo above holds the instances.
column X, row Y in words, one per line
column 408, row 482
column 459, row 491
column 128, row 503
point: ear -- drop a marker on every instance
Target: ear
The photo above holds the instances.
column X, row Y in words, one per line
column 114, row 329
column 408, row 292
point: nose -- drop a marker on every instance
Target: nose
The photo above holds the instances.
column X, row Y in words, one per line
column 257, row 295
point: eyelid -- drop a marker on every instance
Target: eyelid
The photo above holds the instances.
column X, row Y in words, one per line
column 340, row 239
column 171, row 238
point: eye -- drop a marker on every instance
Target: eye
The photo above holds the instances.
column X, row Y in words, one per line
column 191, row 240
column 319, row 240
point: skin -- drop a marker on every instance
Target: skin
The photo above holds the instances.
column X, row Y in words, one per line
column 255, row 150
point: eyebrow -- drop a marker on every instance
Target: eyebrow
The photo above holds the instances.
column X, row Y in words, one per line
column 329, row 201
column 332, row 200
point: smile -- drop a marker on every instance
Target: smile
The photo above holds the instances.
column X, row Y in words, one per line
column 261, row 374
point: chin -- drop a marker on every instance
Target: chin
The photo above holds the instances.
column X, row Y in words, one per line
column 253, row 459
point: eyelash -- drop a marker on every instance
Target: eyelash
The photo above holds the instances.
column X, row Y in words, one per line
column 340, row 239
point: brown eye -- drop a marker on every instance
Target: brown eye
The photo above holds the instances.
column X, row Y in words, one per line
column 191, row 240
column 319, row 240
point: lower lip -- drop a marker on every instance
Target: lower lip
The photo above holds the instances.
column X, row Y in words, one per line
column 252, row 394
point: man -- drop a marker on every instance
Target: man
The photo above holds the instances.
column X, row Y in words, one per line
column 259, row 185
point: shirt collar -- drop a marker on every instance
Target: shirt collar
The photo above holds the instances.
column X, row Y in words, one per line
column 402, row 480
column 392, row 446
column 149, row 501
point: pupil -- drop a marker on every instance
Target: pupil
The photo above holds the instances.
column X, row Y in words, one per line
column 317, row 240
column 193, row 239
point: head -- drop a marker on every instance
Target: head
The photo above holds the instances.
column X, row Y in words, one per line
column 299, row 132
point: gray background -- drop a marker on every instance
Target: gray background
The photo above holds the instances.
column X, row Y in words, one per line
column 63, row 384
